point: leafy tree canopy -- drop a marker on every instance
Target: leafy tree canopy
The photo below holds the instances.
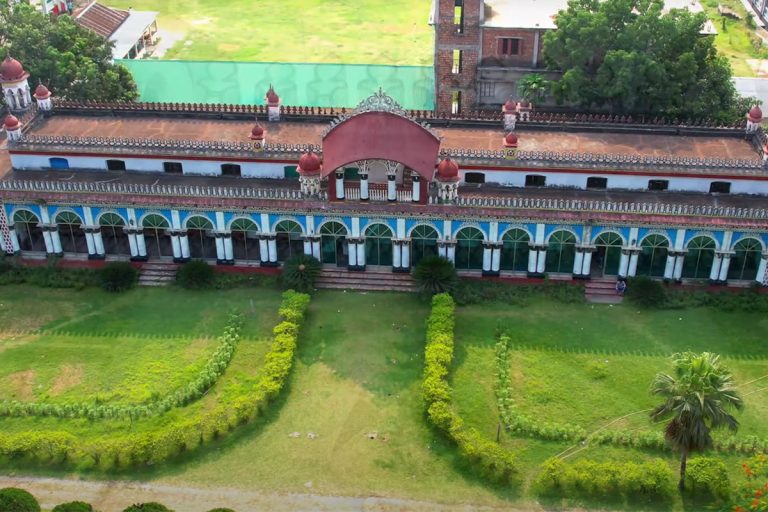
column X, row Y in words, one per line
column 73, row 62
column 630, row 57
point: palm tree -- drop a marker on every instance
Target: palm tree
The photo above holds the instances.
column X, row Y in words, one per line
column 697, row 400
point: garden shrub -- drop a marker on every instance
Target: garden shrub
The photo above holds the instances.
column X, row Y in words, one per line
column 13, row 499
column 118, row 276
column 301, row 272
column 221, row 510
column 73, row 506
column 485, row 457
column 708, row 477
column 148, row 507
column 195, row 275
column 647, row 481
column 477, row 291
column 646, row 292
column 435, row 274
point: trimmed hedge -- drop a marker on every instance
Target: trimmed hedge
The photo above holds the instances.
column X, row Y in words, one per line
column 13, row 499
column 708, row 477
column 477, row 291
column 486, row 457
column 206, row 378
column 178, row 436
column 195, row 275
column 73, row 506
column 648, row 481
column 48, row 276
column 118, row 276
column 148, row 507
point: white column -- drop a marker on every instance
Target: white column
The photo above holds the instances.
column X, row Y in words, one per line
column 416, row 188
column 541, row 261
column 724, row 267
column 272, row 249
column 397, row 249
column 98, row 243
column 669, row 268
column 340, row 184
column 451, row 253
column 391, row 187
column 405, row 260
column 360, row 247
column 532, row 265
column 184, row 242
column 586, row 267
column 89, row 243
column 176, row 245
column 633, row 258
column 307, row 246
column 714, row 272
column 496, row 258
column 220, row 256
column 761, row 269
column 578, row 261
column 229, row 253
column 132, row 243
column 679, row 266
column 263, row 250
column 316, row 247
column 624, row 264
column 48, row 242
column 351, row 254
column 487, row 256
column 141, row 244
column 364, row 187
column 56, row 241
column 15, row 241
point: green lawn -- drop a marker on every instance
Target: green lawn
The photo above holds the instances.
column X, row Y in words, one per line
column 338, row 31
column 735, row 39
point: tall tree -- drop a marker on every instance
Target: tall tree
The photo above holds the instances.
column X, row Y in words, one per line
column 72, row 61
column 697, row 400
column 631, row 57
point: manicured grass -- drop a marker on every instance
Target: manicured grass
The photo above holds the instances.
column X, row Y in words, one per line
column 341, row 31
column 734, row 39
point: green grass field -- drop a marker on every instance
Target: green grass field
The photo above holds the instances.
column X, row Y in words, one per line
column 338, row 31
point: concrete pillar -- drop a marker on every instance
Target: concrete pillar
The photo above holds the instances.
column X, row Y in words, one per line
column 340, row 184
column 760, row 277
column 496, row 258
column 351, row 253
column 714, row 273
column 724, row 268
column 307, row 246
column 405, row 261
column 532, row 260
column 184, row 243
column 487, row 257
column 678, row 273
column 98, row 243
column 89, row 243
column 56, row 241
column 360, row 247
column 48, row 241
column 229, row 252
column 220, row 256
column 397, row 251
column 272, row 249
column 416, row 188
column 132, row 245
column 451, row 252
column 541, row 261
column 14, row 241
column 176, row 246
column 364, row 186
column 586, row 268
column 263, row 251
column 578, row 261
column 633, row 264
column 669, row 268
column 624, row 263
column 141, row 244
column 391, row 187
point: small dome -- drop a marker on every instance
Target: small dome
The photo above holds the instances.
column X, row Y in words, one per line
column 42, row 92
column 11, row 122
column 510, row 139
column 309, row 162
column 447, row 170
column 11, row 69
column 272, row 96
column 509, row 106
column 258, row 132
column 755, row 114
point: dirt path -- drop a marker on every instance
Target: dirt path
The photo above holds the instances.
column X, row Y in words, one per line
column 114, row 496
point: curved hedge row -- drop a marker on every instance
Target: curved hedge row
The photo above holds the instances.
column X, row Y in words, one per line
column 518, row 423
column 206, row 378
column 177, row 436
column 491, row 460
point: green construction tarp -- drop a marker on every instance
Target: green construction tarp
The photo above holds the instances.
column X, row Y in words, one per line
column 311, row 85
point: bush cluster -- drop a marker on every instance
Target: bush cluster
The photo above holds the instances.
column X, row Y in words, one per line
column 206, row 378
column 706, row 477
column 73, row 506
column 178, row 435
column 649, row 481
column 476, row 291
column 195, row 275
column 17, row 500
column 484, row 456
column 646, row 292
column 48, row 276
column 301, row 272
column 152, row 506
column 435, row 274
column 118, row 276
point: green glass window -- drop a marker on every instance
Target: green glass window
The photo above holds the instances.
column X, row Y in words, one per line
column 514, row 252
column 378, row 245
column 746, row 260
column 653, row 256
column 469, row 249
column 561, row 252
column 423, row 243
column 697, row 263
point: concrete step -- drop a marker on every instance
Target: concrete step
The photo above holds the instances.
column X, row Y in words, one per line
column 406, row 278
column 367, row 287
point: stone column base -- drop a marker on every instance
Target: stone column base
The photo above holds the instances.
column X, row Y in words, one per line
column 139, row 258
column 536, row 275
column 401, row 270
column 356, row 268
column 97, row 256
column 491, row 273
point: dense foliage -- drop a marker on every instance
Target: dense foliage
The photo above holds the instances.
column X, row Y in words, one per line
column 148, row 507
column 753, row 494
column 18, row 500
column 301, row 272
column 195, row 275
column 646, row 292
column 632, row 58
column 118, row 276
column 478, row 291
column 485, row 457
column 435, row 274
column 47, row 276
column 707, row 478
column 75, row 63
column 73, row 506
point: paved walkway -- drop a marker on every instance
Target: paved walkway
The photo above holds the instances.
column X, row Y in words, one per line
column 114, row 496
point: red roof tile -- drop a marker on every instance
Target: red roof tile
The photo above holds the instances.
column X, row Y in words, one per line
column 101, row 19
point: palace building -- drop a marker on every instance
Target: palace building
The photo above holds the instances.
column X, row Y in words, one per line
column 378, row 187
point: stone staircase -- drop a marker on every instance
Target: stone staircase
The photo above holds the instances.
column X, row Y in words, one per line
column 602, row 290
column 158, row 273
column 373, row 279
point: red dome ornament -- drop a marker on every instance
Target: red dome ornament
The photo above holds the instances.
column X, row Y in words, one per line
column 309, row 163
column 11, row 122
column 258, row 132
column 509, row 106
column 510, row 140
column 42, row 92
column 448, row 170
column 11, row 70
column 272, row 97
column 755, row 114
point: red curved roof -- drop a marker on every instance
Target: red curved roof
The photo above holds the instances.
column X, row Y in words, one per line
column 381, row 136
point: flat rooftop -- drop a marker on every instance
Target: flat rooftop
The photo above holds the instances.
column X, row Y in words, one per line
column 167, row 128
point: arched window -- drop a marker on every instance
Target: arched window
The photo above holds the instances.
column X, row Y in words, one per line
column 202, row 244
column 469, row 249
column 746, row 260
column 608, row 256
column 333, row 247
column 653, row 256
column 27, row 231
column 514, row 252
column 378, row 245
column 561, row 252
column 423, row 243
column 289, row 241
column 245, row 243
column 112, row 236
column 156, row 236
column 697, row 263
column 71, row 233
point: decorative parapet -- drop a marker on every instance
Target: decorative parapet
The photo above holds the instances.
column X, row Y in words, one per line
column 119, row 145
column 597, row 160
column 612, row 207
column 155, row 190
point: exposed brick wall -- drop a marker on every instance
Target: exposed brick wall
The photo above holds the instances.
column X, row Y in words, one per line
column 490, row 47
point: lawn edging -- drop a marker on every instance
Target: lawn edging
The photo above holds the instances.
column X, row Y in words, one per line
column 490, row 459
column 179, row 436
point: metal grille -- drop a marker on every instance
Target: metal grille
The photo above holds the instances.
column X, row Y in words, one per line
column 5, row 230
